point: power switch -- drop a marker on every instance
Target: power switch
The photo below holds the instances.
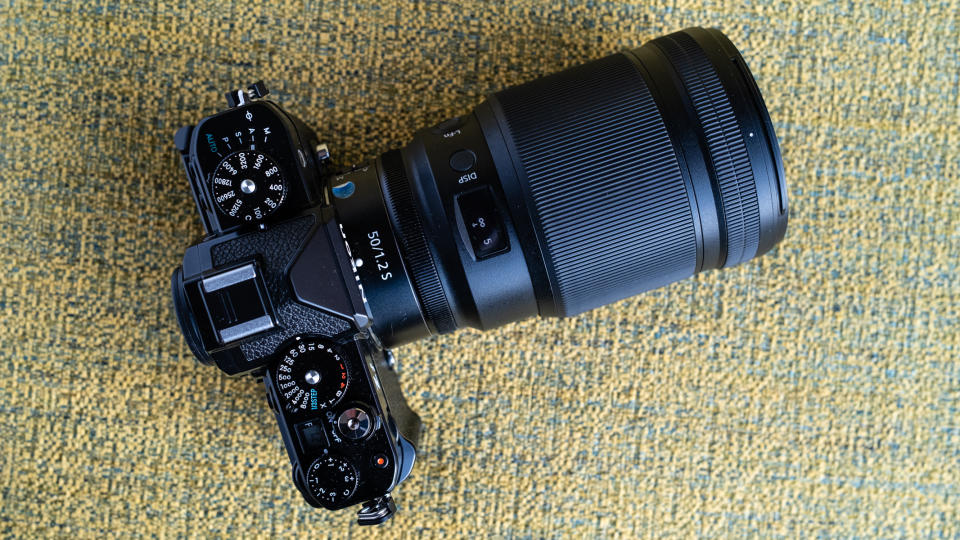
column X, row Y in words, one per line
column 481, row 224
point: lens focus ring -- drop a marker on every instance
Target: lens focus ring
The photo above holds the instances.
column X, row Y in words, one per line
column 605, row 188
column 738, row 208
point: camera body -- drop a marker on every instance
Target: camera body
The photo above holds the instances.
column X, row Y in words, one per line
column 272, row 291
column 549, row 198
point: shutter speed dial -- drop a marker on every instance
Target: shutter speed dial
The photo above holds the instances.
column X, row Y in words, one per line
column 248, row 185
column 311, row 376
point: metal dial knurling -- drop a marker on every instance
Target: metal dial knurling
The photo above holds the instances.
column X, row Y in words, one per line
column 331, row 479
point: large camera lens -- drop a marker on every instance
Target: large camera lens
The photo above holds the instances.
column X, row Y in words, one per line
column 569, row 192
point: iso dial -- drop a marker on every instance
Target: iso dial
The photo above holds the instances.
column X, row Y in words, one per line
column 248, row 185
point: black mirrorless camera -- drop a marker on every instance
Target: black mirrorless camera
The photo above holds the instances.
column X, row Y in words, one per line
column 550, row 198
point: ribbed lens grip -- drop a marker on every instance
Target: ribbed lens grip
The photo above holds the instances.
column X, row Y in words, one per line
column 604, row 186
column 406, row 219
column 739, row 209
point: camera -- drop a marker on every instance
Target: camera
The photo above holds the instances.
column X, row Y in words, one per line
column 549, row 198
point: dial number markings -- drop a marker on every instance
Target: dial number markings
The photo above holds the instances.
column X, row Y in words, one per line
column 242, row 188
column 331, row 479
column 311, row 376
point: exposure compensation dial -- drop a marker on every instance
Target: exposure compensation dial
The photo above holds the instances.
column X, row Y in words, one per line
column 331, row 479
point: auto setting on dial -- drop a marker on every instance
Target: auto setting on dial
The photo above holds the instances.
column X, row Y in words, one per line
column 311, row 376
column 248, row 185
column 331, row 479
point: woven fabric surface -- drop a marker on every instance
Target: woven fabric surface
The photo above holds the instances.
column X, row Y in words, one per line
column 812, row 392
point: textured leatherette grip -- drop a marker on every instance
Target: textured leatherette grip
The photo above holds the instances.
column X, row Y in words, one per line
column 738, row 206
column 604, row 187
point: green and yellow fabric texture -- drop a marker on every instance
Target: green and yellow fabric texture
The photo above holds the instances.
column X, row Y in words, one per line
column 814, row 391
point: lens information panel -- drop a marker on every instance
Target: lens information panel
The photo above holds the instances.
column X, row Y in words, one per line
column 480, row 220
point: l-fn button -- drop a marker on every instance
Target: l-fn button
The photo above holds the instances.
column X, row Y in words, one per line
column 463, row 160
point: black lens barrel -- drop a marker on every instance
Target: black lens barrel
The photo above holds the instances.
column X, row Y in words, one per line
column 611, row 178
column 406, row 217
column 603, row 183
column 645, row 167
column 725, row 108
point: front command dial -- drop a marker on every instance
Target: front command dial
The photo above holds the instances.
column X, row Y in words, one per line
column 248, row 185
column 311, row 376
column 331, row 479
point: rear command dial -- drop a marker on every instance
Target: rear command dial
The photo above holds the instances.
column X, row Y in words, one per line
column 311, row 376
column 331, row 479
column 248, row 185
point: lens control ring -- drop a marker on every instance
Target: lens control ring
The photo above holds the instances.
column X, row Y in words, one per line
column 723, row 140
column 406, row 219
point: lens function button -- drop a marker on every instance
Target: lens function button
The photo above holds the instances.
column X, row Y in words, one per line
column 449, row 128
column 481, row 223
column 463, row 160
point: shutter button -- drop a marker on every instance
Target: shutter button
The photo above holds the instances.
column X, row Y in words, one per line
column 463, row 160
